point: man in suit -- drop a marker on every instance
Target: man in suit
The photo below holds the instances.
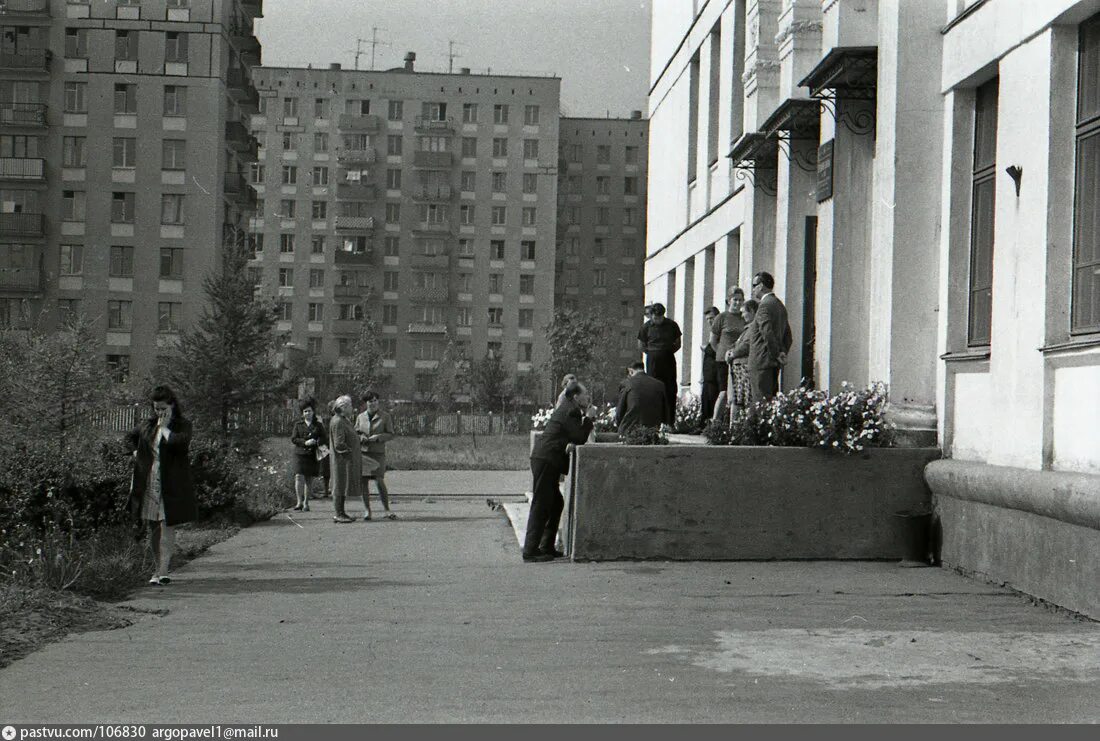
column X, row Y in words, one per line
column 570, row 424
column 772, row 340
column 660, row 340
column 711, row 381
column 642, row 400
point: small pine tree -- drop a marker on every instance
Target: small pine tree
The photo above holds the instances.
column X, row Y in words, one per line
column 363, row 369
column 489, row 383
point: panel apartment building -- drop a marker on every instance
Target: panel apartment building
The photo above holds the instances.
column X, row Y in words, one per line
column 602, row 171
column 424, row 200
column 122, row 154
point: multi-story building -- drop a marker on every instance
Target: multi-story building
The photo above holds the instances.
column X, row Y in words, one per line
column 122, row 150
column 921, row 178
column 602, row 167
column 424, row 200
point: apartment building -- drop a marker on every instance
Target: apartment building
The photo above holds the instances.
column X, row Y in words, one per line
column 122, row 161
column 424, row 200
column 602, row 171
column 920, row 176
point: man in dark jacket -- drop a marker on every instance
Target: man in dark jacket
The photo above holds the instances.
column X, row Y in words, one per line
column 771, row 342
column 570, row 424
column 660, row 339
column 642, row 401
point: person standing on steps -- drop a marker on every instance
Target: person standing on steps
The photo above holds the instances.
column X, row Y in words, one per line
column 309, row 438
column 375, row 429
column 570, row 424
column 162, row 493
column 347, row 460
column 772, row 340
column 660, row 339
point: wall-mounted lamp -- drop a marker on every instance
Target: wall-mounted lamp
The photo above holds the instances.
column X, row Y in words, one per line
column 1017, row 174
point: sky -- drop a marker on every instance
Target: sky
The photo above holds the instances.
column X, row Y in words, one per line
column 600, row 48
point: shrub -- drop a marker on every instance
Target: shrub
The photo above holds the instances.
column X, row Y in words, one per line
column 641, row 435
column 689, row 414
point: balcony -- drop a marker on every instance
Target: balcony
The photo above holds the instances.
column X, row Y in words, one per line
column 355, row 223
column 352, row 122
column 357, row 156
column 352, row 291
column 22, row 280
column 244, row 38
column 11, row 10
column 356, row 192
column 433, row 160
column 237, row 186
column 22, row 225
column 429, row 125
column 423, row 295
column 37, row 60
column 345, row 258
column 22, row 114
column 347, row 326
column 430, row 261
column 254, row 7
column 238, row 138
column 434, row 227
column 432, row 193
column 239, row 83
column 426, row 328
column 23, row 168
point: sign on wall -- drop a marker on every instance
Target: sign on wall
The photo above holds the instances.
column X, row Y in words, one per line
column 825, row 171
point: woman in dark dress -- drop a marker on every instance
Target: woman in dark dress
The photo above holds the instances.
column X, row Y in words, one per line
column 161, row 492
column 308, row 437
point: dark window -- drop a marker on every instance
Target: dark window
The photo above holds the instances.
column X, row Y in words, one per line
column 1086, row 221
column 982, row 215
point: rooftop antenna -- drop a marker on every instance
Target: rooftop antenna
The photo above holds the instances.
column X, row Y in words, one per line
column 452, row 55
column 373, row 42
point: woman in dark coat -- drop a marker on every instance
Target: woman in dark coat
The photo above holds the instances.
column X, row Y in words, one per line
column 161, row 492
column 308, row 437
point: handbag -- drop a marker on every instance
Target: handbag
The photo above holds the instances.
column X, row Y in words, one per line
column 321, row 452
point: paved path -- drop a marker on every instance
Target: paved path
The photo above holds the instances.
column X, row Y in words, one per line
column 460, row 483
column 434, row 618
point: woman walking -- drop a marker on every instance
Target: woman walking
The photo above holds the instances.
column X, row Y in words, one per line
column 347, row 460
column 309, row 438
column 161, row 492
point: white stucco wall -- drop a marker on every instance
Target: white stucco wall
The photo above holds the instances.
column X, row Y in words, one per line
column 1076, row 417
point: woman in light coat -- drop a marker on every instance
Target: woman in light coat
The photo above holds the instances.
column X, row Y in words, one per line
column 347, row 459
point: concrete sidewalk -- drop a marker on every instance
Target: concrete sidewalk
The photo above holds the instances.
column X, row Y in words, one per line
column 458, row 483
column 433, row 617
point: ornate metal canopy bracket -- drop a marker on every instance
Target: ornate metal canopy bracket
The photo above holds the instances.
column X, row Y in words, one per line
column 860, row 122
column 798, row 156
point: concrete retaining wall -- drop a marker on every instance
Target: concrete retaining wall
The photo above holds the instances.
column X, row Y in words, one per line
column 728, row 503
column 1036, row 531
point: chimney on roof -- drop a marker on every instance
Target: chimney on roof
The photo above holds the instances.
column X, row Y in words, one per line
column 464, row 70
column 410, row 59
column 636, row 115
column 334, row 65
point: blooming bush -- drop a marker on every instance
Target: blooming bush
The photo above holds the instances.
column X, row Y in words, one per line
column 850, row 421
column 605, row 419
column 641, row 435
column 541, row 417
column 689, row 414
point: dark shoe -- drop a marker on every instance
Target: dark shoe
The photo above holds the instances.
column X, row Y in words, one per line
column 367, row 517
column 342, row 518
column 305, row 508
column 296, row 508
column 552, row 552
column 537, row 558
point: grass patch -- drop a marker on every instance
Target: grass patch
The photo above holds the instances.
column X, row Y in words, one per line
column 483, row 453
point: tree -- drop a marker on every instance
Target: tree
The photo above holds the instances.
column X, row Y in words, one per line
column 227, row 360
column 582, row 344
column 363, row 369
column 447, row 381
column 489, row 387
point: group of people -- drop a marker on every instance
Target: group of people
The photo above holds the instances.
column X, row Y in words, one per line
column 349, row 453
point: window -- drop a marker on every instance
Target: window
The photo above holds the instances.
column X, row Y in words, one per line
column 494, row 350
column 319, row 211
column 120, row 315
column 125, row 98
column 319, row 176
column 530, row 149
column 526, row 318
column 434, row 213
column 464, row 281
column 496, row 249
column 350, row 312
column 463, row 317
column 496, row 283
column 526, row 352
column 126, row 45
column 390, row 280
column 286, row 277
column 630, row 156
column 290, row 175
column 320, row 142
column 630, row 216
column 527, row 285
column 393, row 145
column 434, row 111
column 122, row 208
column 287, row 208
column 314, row 345
column 358, row 107
column 500, row 215
column 603, row 154
column 316, row 313
column 434, row 144
column 171, row 208
column 171, row 263
column 290, row 142
column 465, row 247
column 174, row 154
column 118, row 366
column 575, row 214
column 175, row 47
column 430, row 280
column 530, row 215
column 256, row 244
column 124, row 152
column 76, row 97
column 284, row 311
column 531, row 115
column 393, row 179
column 599, row 247
column 175, row 100
column 168, row 316
column 389, row 348
column 500, row 147
column 316, row 278
column 466, row 214
column 389, row 314
column 599, row 278
column 396, row 110
column 982, row 209
column 393, row 212
column 630, row 186
column 290, row 107
column 76, row 43
column 530, row 182
column 603, row 185
column 496, row 315
column 72, row 259
column 576, row 153
column 527, row 250
column 468, row 181
column 603, row 216
column 392, row 246
column 500, row 182
column 469, row 113
column 1085, row 302
column 469, row 147
column 500, row 113
column 286, row 244
column 74, row 151
column 320, row 108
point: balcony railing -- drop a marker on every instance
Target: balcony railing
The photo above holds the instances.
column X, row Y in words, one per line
column 433, row 160
column 21, row 279
column 235, row 182
column 353, row 122
column 353, row 259
column 356, row 192
column 255, row 7
column 22, row 114
column 25, row 7
column 241, row 141
column 432, row 193
column 434, row 227
column 352, row 290
column 435, row 125
column 22, row 225
column 239, row 83
column 31, row 59
column 430, row 261
column 355, row 223
column 22, row 168
column 427, row 328
column 347, row 326
column 357, row 156
column 429, row 295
